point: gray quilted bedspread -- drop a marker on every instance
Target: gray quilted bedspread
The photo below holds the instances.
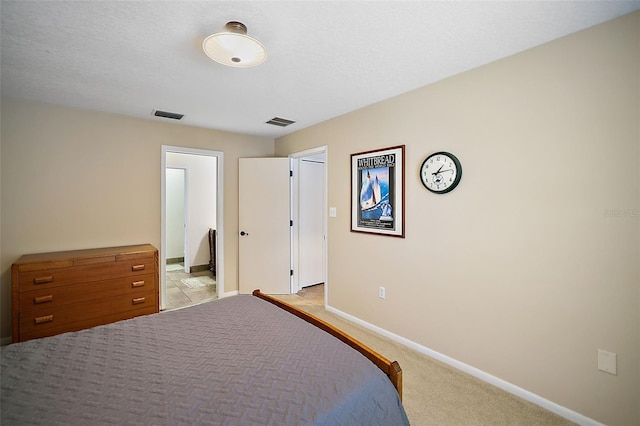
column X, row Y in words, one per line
column 234, row 361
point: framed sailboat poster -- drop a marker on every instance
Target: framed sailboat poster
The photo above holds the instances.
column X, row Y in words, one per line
column 377, row 191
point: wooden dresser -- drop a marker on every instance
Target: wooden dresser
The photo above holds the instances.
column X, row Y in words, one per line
column 57, row 292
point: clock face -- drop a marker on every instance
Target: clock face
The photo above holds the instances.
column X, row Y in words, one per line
column 440, row 172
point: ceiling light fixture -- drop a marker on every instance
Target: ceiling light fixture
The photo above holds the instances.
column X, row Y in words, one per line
column 234, row 48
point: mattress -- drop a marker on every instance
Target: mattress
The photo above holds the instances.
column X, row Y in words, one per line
column 234, row 361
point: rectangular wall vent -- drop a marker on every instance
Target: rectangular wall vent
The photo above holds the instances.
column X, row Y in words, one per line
column 282, row 122
column 165, row 114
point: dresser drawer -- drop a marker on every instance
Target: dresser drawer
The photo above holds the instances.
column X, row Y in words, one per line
column 76, row 316
column 31, row 280
column 52, row 297
column 53, row 329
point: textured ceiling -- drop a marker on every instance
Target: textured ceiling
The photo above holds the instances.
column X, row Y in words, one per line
column 325, row 58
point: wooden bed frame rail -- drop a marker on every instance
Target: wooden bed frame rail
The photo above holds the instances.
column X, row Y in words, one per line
column 390, row 368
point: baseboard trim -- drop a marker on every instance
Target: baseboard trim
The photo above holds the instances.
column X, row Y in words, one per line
column 486, row 377
column 198, row 268
column 228, row 294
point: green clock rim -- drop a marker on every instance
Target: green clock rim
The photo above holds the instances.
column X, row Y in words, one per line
column 456, row 180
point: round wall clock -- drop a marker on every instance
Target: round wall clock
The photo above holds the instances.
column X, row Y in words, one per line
column 441, row 172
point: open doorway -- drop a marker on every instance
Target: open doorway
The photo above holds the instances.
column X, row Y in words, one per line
column 309, row 233
column 191, row 272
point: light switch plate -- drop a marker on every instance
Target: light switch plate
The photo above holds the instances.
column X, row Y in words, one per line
column 608, row 362
column 382, row 292
column 333, row 212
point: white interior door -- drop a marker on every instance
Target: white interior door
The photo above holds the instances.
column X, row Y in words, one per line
column 264, row 240
column 311, row 220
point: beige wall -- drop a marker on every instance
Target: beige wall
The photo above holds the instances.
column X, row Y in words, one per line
column 73, row 179
column 531, row 264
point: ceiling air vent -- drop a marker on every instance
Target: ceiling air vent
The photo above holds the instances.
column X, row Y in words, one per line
column 165, row 114
column 282, row 122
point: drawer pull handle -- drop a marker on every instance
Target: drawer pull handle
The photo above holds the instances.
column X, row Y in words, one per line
column 44, row 319
column 138, row 300
column 137, row 268
column 136, row 284
column 43, row 299
column 43, row 280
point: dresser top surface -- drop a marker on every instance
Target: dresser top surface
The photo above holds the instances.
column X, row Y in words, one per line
column 93, row 252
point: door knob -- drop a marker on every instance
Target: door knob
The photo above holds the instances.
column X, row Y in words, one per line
column 243, row 233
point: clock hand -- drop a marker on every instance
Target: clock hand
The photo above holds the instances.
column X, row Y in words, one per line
column 438, row 172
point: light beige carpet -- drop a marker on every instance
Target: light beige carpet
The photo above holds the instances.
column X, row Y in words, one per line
column 435, row 393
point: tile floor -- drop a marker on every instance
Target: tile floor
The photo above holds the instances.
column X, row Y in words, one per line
column 179, row 295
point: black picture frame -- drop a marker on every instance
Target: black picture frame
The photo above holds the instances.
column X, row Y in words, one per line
column 377, row 191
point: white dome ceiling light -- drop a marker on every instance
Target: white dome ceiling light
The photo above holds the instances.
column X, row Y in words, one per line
column 234, row 48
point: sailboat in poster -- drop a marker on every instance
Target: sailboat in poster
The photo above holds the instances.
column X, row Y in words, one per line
column 370, row 194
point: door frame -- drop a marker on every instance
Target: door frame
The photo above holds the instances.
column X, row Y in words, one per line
column 295, row 159
column 219, row 216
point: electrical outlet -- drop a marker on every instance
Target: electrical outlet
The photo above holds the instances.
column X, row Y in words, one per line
column 381, row 292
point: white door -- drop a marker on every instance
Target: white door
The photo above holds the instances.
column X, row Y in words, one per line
column 311, row 218
column 264, row 227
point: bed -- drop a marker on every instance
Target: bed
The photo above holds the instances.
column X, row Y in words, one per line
column 235, row 361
